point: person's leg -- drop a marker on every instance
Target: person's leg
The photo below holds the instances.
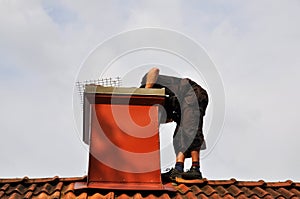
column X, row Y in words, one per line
column 184, row 135
column 177, row 171
column 179, row 165
column 177, row 147
column 193, row 110
column 194, row 172
column 195, row 159
column 180, row 157
column 179, row 162
column 195, row 156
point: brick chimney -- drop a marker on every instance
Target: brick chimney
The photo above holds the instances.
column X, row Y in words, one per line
column 121, row 127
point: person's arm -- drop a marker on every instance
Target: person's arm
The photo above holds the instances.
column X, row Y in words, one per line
column 152, row 76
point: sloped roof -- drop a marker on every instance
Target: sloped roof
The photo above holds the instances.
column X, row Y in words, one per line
column 64, row 188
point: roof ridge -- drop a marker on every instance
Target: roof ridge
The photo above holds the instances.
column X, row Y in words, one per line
column 251, row 183
column 54, row 179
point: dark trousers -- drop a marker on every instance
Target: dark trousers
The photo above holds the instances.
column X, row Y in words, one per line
column 188, row 135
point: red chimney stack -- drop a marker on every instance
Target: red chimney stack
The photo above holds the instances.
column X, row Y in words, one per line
column 121, row 125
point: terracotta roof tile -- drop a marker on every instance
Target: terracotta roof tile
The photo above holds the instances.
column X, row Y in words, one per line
column 273, row 193
column 221, row 182
column 189, row 195
column 215, row 196
column 260, row 192
column 254, row 197
column 281, row 184
column 68, row 188
column 234, row 191
column 123, row 196
column 286, row 193
column 208, row 190
column 228, row 196
column 42, row 195
column 203, row 196
column 183, row 189
column 247, row 191
column 196, row 190
column 250, row 183
column 4, row 187
column 96, row 196
column 151, row 196
column 222, row 191
column 242, row 196
column 80, row 196
column 137, row 196
column 296, row 192
column 64, row 188
column 163, row 196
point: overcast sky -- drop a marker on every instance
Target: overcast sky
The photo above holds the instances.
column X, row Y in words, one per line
column 254, row 45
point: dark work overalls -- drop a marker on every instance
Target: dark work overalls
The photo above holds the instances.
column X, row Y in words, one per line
column 186, row 104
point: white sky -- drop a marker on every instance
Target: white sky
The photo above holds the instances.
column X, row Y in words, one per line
column 255, row 46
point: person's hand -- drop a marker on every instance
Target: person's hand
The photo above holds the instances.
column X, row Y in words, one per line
column 152, row 76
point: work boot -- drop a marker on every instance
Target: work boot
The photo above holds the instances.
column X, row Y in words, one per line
column 192, row 174
column 171, row 175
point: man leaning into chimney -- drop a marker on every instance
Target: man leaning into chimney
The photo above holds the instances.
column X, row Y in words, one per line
column 185, row 104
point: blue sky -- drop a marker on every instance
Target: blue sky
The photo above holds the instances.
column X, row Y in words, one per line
column 254, row 45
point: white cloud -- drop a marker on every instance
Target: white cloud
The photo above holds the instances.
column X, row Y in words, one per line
column 258, row 64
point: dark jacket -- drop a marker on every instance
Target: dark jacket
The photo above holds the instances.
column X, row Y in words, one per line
column 175, row 89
